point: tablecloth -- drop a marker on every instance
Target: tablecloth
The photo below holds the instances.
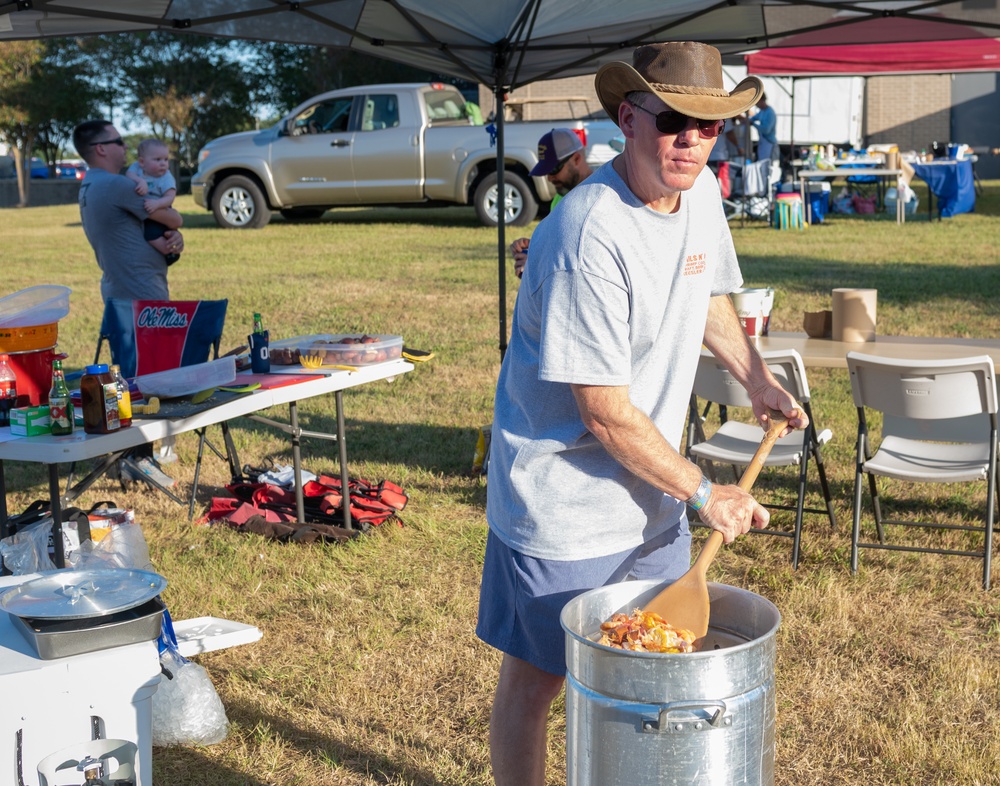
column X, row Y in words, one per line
column 952, row 183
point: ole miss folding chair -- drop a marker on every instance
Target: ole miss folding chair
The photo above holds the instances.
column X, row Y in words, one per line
column 148, row 336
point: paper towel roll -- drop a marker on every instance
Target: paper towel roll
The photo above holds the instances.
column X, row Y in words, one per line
column 854, row 314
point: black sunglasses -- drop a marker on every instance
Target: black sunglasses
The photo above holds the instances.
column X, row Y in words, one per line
column 116, row 141
column 560, row 165
column 670, row 122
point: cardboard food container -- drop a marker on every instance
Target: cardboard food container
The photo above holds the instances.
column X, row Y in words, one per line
column 362, row 349
column 30, row 421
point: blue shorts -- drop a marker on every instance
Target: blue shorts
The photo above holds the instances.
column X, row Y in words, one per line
column 521, row 597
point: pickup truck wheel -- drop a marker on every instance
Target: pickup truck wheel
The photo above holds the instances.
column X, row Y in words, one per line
column 520, row 205
column 302, row 213
column 238, row 203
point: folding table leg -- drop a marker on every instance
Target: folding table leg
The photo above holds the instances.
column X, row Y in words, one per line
column 56, row 508
column 4, row 518
column 293, row 418
column 342, row 452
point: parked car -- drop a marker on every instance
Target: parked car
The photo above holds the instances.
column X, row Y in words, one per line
column 370, row 145
column 71, row 170
column 39, row 168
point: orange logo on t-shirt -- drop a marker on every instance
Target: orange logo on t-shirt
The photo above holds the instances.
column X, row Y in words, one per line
column 693, row 265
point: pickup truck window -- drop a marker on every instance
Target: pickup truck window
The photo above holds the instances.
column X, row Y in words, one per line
column 380, row 111
column 325, row 117
column 444, row 105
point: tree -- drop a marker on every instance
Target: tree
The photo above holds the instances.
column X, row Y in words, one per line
column 43, row 95
column 191, row 89
column 18, row 63
column 288, row 74
column 65, row 99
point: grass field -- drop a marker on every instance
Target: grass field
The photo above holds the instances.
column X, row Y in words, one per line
column 369, row 671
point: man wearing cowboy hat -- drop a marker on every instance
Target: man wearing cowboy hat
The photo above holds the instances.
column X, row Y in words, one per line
column 627, row 279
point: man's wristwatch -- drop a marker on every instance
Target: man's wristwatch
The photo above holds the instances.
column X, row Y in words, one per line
column 699, row 499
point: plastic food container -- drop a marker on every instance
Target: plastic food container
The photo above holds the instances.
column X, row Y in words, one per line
column 348, row 349
column 187, row 380
column 41, row 305
column 28, row 338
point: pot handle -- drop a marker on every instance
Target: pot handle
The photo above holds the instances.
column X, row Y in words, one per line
column 718, row 717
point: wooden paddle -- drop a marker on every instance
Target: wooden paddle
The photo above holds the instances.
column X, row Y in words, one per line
column 684, row 604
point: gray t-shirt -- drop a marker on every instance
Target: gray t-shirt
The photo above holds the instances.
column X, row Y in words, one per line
column 614, row 293
column 156, row 186
column 112, row 215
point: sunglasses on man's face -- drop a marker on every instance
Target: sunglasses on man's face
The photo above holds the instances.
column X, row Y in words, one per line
column 560, row 166
column 670, row 122
column 116, row 141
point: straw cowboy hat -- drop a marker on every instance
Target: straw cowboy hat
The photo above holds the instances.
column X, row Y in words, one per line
column 686, row 75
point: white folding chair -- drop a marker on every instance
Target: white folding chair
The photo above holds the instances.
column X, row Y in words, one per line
column 735, row 442
column 939, row 425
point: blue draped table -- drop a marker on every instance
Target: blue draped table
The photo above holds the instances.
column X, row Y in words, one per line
column 952, row 183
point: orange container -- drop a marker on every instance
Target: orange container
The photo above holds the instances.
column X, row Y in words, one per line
column 29, row 338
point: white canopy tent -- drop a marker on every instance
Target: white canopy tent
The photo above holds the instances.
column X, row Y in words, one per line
column 505, row 43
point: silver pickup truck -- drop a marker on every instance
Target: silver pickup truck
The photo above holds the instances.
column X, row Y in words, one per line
column 371, row 145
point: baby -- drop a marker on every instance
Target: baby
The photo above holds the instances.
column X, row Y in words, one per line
column 152, row 178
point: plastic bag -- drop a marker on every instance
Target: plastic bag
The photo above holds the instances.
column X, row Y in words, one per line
column 27, row 551
column 186, row 708
column 844, row 203
column 123, row 547
column 864, row 205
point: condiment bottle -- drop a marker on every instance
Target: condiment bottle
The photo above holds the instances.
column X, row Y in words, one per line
column 60, row 403
column 99, row 397
column 8, row 389
column 124, row 397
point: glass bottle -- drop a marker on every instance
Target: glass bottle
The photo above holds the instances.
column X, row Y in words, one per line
column 8, row 389
column 124, row 397
column 60, row 404
column 258, row 323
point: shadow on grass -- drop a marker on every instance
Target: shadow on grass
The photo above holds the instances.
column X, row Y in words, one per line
column 347, row 753
column 454, row 217
column 181, row 765
column 435, row 449
column 898, row 283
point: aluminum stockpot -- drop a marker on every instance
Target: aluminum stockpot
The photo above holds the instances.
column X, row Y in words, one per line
column 641, row 718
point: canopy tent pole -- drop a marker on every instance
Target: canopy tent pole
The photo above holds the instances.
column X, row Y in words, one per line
column 791, row 132
column 498, row 93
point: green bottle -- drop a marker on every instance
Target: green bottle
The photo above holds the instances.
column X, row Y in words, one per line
column 60, row 403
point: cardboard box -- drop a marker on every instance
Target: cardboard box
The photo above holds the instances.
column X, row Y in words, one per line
column 30, row 421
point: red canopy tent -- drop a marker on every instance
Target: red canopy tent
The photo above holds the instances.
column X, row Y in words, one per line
column 929, row 57
column 880, row 47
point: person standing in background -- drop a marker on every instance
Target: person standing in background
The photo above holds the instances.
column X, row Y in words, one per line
column 112, row 214
column 563, row 160
column 113, row 217
column 766, row 123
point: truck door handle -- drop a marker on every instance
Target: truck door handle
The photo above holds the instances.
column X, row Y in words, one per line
column 339, row 143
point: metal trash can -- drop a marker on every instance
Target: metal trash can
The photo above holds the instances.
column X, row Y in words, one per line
column 703, row 718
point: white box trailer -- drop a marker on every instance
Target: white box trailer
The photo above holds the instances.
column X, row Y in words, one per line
column 826, row 110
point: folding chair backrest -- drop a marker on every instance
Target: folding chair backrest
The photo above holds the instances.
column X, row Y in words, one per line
column 933, row 400
column 146, row 336
column 713, row 382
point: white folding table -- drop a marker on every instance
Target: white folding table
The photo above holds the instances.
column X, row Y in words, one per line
column 80, row 446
